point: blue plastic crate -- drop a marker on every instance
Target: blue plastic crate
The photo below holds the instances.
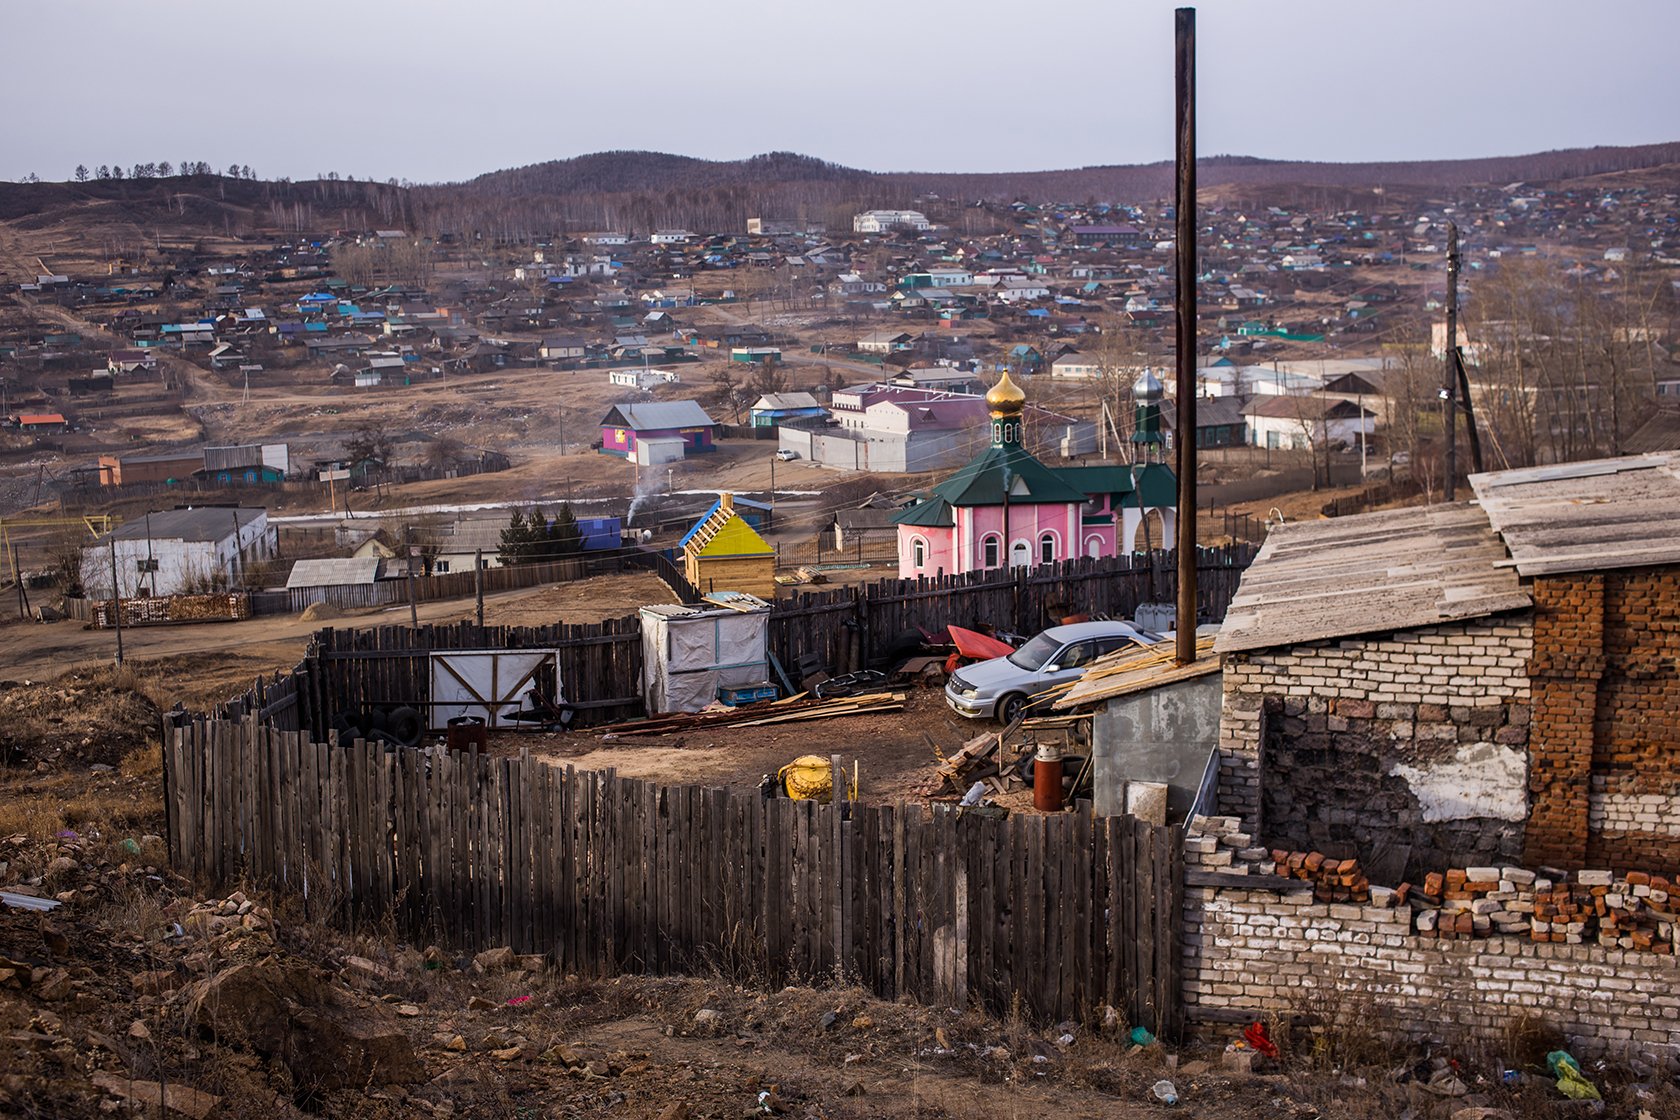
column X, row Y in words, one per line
column 737, row 695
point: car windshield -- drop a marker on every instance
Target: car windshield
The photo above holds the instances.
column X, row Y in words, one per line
column 1035, row 653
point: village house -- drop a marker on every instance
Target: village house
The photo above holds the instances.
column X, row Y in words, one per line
column 131, row 361
column 657, row 432
column 637, row 378
column 885, row 342
column 775, row 409
column 563, row 348
column 250, row 464
column 1305, row 421
column 946, row 379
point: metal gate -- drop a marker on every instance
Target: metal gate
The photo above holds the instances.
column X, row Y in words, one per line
column 490, row 683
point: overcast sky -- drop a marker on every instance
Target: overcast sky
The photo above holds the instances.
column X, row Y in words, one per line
column 445, row 89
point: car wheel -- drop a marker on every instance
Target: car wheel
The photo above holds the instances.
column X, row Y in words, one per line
column 1009, row 708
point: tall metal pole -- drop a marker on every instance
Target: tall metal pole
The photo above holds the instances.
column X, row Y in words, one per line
column 1184, row 306
column 116, row 598
column 1449, row 384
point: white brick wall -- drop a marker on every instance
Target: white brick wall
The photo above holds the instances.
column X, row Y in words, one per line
column 1613, row 810
column 1482, row 662
column 1266, row 951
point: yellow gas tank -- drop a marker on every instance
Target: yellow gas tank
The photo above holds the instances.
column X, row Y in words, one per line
column 808, row 778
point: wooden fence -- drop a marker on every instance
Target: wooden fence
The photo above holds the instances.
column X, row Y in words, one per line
column 600, row 666
column 849, row 627
column 1058, row 915
column 449, row 585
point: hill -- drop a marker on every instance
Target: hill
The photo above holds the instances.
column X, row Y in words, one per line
column 614, row 172
column 640, row 191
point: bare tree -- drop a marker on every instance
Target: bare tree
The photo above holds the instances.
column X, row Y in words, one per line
column 727, row 390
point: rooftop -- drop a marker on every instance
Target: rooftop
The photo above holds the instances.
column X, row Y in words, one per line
column 201, row 523
column 1577, row 517
column 334, row 571
column 1371, row 573
column 658, row 415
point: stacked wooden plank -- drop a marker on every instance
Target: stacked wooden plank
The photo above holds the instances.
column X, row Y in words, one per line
column 796, row 709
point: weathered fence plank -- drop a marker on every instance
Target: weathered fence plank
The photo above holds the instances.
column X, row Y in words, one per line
column 1057, row 915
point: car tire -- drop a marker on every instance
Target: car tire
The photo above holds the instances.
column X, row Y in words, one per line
column 1010, row 706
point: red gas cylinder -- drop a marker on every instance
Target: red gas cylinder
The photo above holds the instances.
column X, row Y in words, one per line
column 1047, row 779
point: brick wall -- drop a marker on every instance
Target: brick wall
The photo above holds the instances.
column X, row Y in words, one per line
column 1605, row 777
column 1564, row 673
column 1278, row 948
column 1414, row 738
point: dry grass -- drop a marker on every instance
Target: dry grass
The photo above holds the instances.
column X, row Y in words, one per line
column 101, row 806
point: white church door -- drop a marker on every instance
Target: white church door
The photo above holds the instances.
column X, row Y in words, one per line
column 1020, row 554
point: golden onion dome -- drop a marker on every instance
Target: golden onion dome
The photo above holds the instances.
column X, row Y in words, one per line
column 1005, row 398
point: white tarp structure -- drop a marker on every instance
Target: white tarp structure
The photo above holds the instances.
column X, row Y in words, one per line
column 688, row 653
column 488, row 683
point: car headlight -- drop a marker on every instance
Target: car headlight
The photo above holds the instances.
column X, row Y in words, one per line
column 969, row 693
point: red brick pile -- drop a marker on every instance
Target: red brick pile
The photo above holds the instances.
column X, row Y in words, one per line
column 1634, row 912
column 1631, row 912
column 1333, row 880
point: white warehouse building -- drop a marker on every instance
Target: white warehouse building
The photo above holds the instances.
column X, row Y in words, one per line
column 169, row 552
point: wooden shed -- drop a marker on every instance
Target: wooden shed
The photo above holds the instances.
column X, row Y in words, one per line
column 724, row 553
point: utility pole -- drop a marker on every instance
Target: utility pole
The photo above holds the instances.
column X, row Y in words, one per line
column 413, row 608
column 1184, row 310
column 1449, row 384
column 17, row 576
column 116, row 599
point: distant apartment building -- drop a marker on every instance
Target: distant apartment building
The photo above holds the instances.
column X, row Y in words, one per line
column 781, row 227
column 882, row 221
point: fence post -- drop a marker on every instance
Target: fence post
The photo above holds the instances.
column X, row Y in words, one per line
column 478, row 584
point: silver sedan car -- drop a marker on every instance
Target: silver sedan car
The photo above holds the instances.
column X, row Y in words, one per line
column 1003, row 687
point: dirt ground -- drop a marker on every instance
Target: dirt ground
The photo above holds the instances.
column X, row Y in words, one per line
column 895, row 752
column 41, row 650
column 133, row 984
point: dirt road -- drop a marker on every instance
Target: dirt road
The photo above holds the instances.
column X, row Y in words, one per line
column 39, row 651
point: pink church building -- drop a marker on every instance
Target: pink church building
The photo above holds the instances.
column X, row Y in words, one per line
column 1006, row 507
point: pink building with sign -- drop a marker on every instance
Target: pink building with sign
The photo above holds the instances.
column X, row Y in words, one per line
column 1006, row 507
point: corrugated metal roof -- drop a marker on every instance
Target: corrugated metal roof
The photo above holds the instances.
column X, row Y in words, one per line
column 204, row 523
column 335, row 571
column 1585, row 517
column 659, row 415
column 1371, row 573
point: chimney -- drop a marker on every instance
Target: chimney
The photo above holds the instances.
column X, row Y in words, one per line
column 726, row 501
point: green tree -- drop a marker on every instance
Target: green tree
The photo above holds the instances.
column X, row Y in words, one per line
column 565, row 538
column 516, row 540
